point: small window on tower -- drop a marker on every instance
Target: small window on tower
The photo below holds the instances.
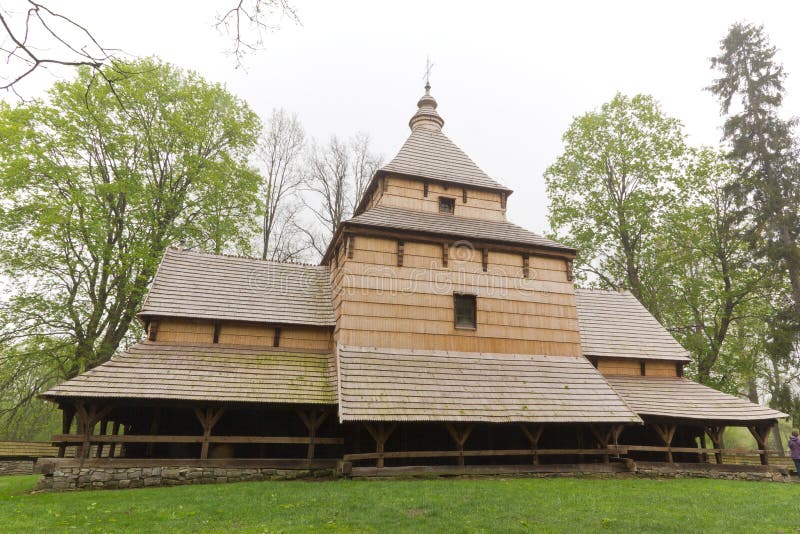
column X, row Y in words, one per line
column 447, row 205
column 465, row 314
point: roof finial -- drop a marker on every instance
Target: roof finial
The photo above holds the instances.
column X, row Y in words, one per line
column 426, row 116
column 428, row 69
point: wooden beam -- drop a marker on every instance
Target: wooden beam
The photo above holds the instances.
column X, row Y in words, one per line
column 155, row 422
column 313, row 419
column 666, row 432
column 380, row 432
column 761, row 435
column 208, row 420
column 217, row 326
column 67, row 415
column 114, row 431
column 460, row 434
column 533, row 437
column 152, row 334
column 72, row 439
column 716, row 433
column 603, row 437
column 103, row 432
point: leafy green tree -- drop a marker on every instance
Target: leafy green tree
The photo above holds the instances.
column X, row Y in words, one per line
column 704, row 278
column 95, row 182
column 764, row 152
column 762, row 145
column 610, row 187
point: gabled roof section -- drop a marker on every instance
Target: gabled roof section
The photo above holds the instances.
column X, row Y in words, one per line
column 431, row 154
column 616, row 325
column 444, row 224
column 683, row 399
column 379, row 384
column 212, row 373
column 209, row 286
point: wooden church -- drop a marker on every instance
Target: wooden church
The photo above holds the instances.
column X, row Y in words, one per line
column 434, row 333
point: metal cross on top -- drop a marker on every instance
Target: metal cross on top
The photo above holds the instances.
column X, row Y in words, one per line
column 428, row 69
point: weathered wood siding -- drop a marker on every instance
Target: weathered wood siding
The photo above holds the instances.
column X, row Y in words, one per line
column 633, row 367
column 247, row 334
column 660, row 368
column 619, row 366
column 409, row 194
column 379, row 304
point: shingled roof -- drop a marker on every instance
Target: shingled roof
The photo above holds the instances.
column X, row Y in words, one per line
column 616, row 325
column 431, row 154
column 443, row 224
column 208, row 286
column 213, row 373
column 412, row 385
column 683, row 399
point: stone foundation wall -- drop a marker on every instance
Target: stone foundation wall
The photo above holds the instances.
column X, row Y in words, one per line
column 65, row 478
column 16, row 467
column 732, row 472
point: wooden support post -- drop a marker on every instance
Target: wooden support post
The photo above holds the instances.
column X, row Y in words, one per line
column 312, row 419
column 67, row 415
column 666, row 432
column 715, row 433
column 155, row 422
column 603, row 437
column 103, row 431
column 208, row 420
column 380, row 433
column 761, row 435
column 87, row 419
column 703, row 455
column 533, row 437
column 114, row 431
column 460, row 434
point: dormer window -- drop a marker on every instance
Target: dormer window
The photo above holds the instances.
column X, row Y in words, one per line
column 447, row 205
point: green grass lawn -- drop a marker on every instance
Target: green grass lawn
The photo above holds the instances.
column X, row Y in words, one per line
column 438, row 505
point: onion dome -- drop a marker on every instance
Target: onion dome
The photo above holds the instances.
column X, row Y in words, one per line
column 426, row 116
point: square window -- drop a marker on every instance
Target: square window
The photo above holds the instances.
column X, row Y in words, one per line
column 447, row 205
column 465, row 313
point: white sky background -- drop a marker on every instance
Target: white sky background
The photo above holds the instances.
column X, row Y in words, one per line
column 508, row 76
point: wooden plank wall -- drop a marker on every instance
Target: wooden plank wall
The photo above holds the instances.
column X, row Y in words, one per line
column 619, row 366
column 383, row 305
column 633, row 367
column 660, row 368
column 409, row 194
column 250, row 334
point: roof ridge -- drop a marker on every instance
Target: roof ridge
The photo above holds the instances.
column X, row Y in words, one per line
column 241, row 257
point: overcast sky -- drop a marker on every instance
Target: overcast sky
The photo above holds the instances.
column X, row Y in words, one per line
column 508, row 76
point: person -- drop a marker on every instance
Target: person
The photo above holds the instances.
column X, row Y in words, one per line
column 794, row 447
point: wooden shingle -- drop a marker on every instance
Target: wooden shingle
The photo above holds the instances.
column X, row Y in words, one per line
column 448, row 225
column 212, row 373
column 681, row 398
column 431, row 154
column 208, row 286
column 410, row 385
column 614, row 324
